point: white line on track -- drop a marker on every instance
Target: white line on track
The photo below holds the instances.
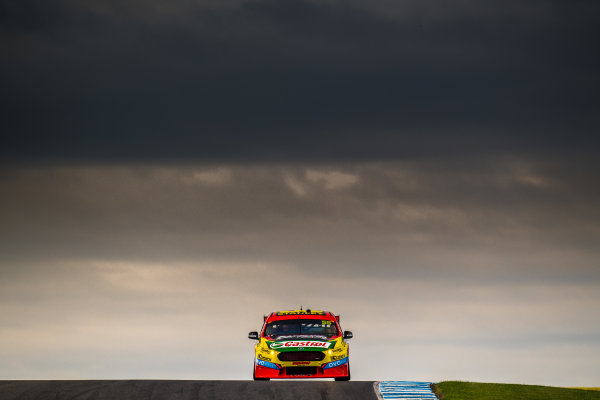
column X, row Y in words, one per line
column 406, row 390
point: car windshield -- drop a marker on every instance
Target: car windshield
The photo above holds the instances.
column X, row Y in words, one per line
column 301, row 327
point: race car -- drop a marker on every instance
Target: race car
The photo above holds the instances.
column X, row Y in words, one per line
column 301, row 344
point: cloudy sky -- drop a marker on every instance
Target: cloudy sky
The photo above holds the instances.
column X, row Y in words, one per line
column 429, row 170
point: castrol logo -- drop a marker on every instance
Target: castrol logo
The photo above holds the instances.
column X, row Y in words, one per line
column 294, row 344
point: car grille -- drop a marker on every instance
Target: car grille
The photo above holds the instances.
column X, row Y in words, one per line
column 297, row 371
column 301, row 356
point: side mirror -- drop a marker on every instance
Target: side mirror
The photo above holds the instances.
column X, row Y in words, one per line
column 253, row 335
column 347, row 335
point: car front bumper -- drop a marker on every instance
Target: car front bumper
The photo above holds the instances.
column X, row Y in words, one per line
column 337, row 369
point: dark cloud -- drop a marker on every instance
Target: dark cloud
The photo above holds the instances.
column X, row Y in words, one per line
column 505, row 218
column 304, row 80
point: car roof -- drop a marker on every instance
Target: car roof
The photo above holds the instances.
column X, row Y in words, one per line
column 299, row 314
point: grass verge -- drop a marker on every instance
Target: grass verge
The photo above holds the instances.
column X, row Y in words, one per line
column 455, row 390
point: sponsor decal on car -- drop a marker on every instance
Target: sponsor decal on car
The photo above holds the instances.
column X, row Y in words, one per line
column 264, row 358
column 302, row 337
column 286, row 344
column 300, row 312
column 267, row 364
column 301, row 363
column 336, row 363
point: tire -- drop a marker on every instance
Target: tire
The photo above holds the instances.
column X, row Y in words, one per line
column 344, row 378
column 259, row 379
column 254, row 375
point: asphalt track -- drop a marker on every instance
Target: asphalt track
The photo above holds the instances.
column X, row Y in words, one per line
column 185, row 390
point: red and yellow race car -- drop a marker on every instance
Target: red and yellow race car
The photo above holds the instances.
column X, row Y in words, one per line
column 301, row 344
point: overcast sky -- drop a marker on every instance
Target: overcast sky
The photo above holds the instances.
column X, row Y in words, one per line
column 172, row 172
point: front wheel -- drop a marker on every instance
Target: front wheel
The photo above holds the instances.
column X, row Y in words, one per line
column 344, row 378
column 259, row 379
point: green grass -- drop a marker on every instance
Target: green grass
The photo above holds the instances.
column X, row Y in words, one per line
column 453, row 390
